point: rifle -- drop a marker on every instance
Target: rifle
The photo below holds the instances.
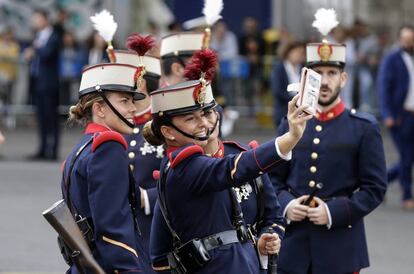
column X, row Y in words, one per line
column 316, row 187
column 272, row 259
column 61, row 219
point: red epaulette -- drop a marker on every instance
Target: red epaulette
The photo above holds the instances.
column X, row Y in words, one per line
column 156, row 174
column 105, row 136
column 177, row 157
column 253, row 144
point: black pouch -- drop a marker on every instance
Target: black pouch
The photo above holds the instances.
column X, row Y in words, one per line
column 65, row 251
column 86, row 229
column 189, row 257
column 88, row 234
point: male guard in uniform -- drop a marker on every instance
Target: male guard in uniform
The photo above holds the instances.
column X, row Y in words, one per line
column 343, row 150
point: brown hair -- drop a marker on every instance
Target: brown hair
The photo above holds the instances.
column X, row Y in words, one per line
column 286, row 49
column 81, row 113
column 152, row 131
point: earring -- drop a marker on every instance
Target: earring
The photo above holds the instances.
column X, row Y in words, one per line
column 172, row 138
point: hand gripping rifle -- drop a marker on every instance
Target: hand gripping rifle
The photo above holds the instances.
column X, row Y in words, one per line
column 272, row 259
column 60, row 218
column 316, row 187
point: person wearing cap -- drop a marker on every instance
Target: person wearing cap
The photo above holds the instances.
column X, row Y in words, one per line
column 143, row 157
column 342, row 151
column 194, row 188
column 257, row 200
column 96, row 184
column 176, row 49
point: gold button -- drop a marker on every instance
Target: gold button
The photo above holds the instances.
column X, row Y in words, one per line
column 331, row 115
column 133, row 143
column 316, row 141
column 313, row 169
column 353, row 111
column 312, row 183
column 135, row 130
column 350, row 226
column 260, row 172
column 131, row 167
column 131, row 155
column 314, row 155
column 318, row 128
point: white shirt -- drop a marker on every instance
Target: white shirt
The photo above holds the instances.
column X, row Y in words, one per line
column 293, row 72
column 42, row 37
column 409, row 100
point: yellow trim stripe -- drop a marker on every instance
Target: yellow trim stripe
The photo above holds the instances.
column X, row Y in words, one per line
column 279, row 226
column 127, row 247
column 161, row 268
column 235, row 166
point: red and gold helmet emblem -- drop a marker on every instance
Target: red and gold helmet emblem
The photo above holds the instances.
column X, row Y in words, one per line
column 199, row 94
column 325, row 52
column 139, row 75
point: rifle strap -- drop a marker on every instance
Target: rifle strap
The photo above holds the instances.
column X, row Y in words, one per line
column 259, row 189
column 163, row 205
column 66, row 181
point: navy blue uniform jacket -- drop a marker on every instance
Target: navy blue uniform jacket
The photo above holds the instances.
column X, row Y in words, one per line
column 344, row 151
column 199, row 205
column 99, row 189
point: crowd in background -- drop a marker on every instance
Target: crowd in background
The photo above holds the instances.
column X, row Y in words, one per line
column 250, row 64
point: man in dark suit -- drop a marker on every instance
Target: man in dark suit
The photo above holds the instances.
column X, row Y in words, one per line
column 343, row 150
column 44, row 72
column 396, row 88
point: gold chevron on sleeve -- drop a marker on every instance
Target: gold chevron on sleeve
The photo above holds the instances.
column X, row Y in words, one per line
column 236, row 162
column 279, row 226
column 161, row 268
column 120, row 244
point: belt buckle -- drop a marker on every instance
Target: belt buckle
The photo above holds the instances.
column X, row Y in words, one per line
column 215, row 241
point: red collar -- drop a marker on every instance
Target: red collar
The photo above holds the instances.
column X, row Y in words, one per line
column 142, row 118
column 94, row 127
column 171, row 149
column 220, row 152
column 332, row 113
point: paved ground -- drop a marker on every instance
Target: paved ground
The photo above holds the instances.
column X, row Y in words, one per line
column 28, row 243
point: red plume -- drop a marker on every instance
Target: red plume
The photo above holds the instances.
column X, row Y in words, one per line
column 140, row 44
column 203, row 61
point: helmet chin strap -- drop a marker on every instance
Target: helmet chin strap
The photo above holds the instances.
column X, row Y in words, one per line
column 215, row 124
column 131, row 125
column 205, row 138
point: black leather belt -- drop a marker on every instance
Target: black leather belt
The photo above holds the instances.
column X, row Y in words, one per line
column 219, row 239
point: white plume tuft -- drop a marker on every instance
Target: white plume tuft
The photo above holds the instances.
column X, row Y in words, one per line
column 104, row 24
column 325, row 20
column 212, row 10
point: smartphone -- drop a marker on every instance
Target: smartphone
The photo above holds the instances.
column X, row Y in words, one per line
column 310, row 84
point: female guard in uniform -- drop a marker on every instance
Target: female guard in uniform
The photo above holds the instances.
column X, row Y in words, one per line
column 257, row 198
column 96, row 183
column 194, row 195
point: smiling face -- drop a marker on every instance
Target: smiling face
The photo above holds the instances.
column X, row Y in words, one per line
column 333, row 79
column 195, row 124
column 212, row 117
column 123, row 103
